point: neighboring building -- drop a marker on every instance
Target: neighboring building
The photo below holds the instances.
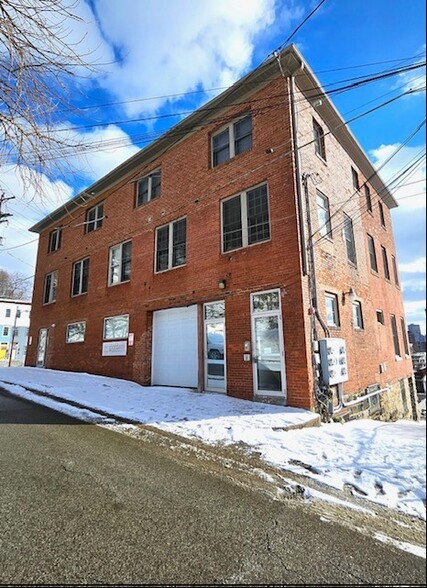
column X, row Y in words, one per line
column 14, row 325
column 418, row 361
column 416, row 339
column 217, row 256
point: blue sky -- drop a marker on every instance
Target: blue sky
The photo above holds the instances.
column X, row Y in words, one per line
column 147, row 49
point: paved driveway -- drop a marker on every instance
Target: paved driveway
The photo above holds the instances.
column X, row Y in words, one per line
column 82, row 504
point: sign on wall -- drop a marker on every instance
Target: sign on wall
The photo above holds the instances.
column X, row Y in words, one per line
column 114, row 348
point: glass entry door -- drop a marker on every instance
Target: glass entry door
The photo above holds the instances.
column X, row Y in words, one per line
column 269, row 368
column 42, row 348
column 214, row 334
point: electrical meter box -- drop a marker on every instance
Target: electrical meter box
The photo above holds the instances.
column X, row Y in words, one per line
column 333, row 359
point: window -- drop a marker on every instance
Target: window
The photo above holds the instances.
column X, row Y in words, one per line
column 5, row 331
column 266, row 301
column 395, row 273
column 76, row 332
column 380, row 317
column 403, row 395
column 148, row 188
column 324, row 215
column 368, row 198
column 357, row 315
column 404, row 336
column 8, row 312
column 54, row 240
column 235, row 139
column 80, row 277
column 382, row 217
column 50, row 285
column 116, row 327
column 355, row 178
column 349, row 239
column 385, row 263
column 372, row 254
column 332, row 316
column 120, row 263
column 319, row 139
column 94, row 218
column 245, row 219
column 171, row 245
column 395, row 335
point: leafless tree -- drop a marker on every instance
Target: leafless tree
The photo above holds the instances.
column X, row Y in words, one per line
column 14, row 285
column 38, row 63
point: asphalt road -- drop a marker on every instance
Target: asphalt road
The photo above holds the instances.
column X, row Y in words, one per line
column 83, row 504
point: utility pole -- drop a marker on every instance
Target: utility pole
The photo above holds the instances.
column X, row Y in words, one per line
column 17, row 313
column 4, row 215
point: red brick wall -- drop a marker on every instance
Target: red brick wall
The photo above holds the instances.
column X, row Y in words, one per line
column 191, row 187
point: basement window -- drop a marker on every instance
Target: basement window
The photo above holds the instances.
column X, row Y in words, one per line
column 236, row 138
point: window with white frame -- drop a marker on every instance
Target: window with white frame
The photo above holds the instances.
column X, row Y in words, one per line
column 355, row 179
column 395, row 335
column 395, row 272
column 332, row 315
column 357, row 315
column 54, row 240
column 148, row 188
column 171, row 245
column 245, row 219
column 76, row 332
column 94, row 218
column 349, row 240
column 50, row 285
column 319, row 139
column 404, row 335
column 323, row 214
column 372, row 254
column 385, row 262
column 231, row 141
column 368, row 198
column 80, row 277
column 116, row 327
column 120, row 263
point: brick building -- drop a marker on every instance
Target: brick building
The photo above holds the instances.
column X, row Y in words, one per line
column 220, row 255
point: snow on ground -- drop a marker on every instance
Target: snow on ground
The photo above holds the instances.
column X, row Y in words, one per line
column 384, row 462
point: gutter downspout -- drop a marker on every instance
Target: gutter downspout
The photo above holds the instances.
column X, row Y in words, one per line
column 297, row 165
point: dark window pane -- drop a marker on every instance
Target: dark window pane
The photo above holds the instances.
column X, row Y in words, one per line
column 220, row 148
column 372, row 254
column 155, row 185
column 258, row 217
column 319, row 140
column 385, row 263
column 395, row 335
column 76, row 278
column 368, row 198
column 404, row 336
column 47, row 287
column 243, row 135
column 349, row 239
column 126, row 261
column 85, row 275
column 355, row 176
column 179, row 250
column 232, row 224
column 162, row 251
column 382, row 217
column 142, row 191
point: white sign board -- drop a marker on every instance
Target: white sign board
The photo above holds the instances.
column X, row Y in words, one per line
column 114, row 348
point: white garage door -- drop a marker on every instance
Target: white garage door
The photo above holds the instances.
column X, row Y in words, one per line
column 175, row 352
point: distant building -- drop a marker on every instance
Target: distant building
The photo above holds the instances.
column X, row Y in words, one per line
column 14, row 326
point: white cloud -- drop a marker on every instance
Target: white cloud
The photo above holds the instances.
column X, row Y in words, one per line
column 413, row 80
column 173, row 47
column 417, row 266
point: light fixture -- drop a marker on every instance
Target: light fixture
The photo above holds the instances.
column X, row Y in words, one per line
column 351, row 295
column 222, row 284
